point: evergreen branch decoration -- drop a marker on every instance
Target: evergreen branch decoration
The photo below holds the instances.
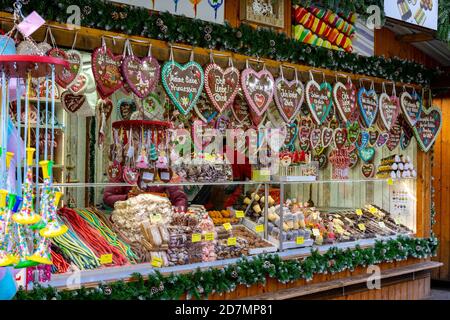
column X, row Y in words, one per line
column 260, row 42
column 247, row 271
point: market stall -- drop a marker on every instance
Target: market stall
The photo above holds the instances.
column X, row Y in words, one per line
column 212, row 173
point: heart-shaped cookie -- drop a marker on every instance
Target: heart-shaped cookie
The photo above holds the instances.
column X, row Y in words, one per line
column 79, row 85
column 368, row 105
column 66, row 76
column 428, row 127
column 126, row 108
column 394, row 137
column 322, row 160
column 315, row 138
column 373, row 136
column 353, row 130
column 115, row 172
column 221, row 86
column 183, row 84
column 383, row 138
column 141, row 75
column 72, row 102
column 368, row 170
column 106, row 70
column 290, row 135
column 354, row 159
column 389, row 110
column 131, row 175
column 345, row 100
column 366, row 154
column 327, row 136
column 258, row 89
column 340, row 137
column 319, row 100
column 411, row 106
column 204, row 110
column 363, row 139
column 289, row 97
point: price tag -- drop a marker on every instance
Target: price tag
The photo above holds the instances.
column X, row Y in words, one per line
column 227, row 226
column 390, row 182
column 155, row 218
column 196, row 237
column 300, row 240
column 106, row 258
column 259, row 228
column 240, row 214
column 373, row 210
column 362, row 227
column 231, row 241
column 157, row 262
column 381, row 224
column 316, row 232
column 209, row 236
column 359, row 212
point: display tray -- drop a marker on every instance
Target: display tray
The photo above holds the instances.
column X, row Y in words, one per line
column 294, row 178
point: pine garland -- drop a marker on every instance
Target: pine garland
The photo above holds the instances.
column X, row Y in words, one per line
column 260, row 42
column 247, row 271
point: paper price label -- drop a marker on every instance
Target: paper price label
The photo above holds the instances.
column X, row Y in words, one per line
column 155, row 218
column 359, row 212
column 227, row 226
column 373, row 210
column 209, row 236
column 316, row 232
column 362, row 227
column 196, row 237
column 106, row 258
column 381, row 224
column 240, row 214
column 157, row 262
column 390, row 182
column 300, row 240
column 259, row 228
column 231, row 241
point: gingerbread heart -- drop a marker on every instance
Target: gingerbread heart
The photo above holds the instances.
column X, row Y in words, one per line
column 367, row 154
column 368, row 104
column 141, row 75
column 389, row 110
column 363, row 139
column 345, row 100
column 327, row 137
column 204, row 110
column 411, row 106
column 183, row 84
column 340, row 137
column 353, row 130
column 106, row 70
column 221, row 86
column 305, row 145
column 373, row 136
column 290, row 135
column 428, row 127
column 368, row 170
column 126, row 108
column 394, row 137
column 315, row 138
column 354, row 159
column 289, row 97
column 319, row 100
column 131, row 175
column 66, row 76
column 72, row 102
column 79, row 85
column 383, row 138
column 258, row 89
column 115, row 172
column 241, row 112
column 322, row 159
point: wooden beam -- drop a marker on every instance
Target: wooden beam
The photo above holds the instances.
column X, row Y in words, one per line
column 415, row 37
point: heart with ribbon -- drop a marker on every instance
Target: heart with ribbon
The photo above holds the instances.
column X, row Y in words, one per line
column 389, row 110
column 204, row 110
column 289, row 97
column 428, row 127
column 126, row 108
column 345, row 100
column 411, row 105
column 366, row 154
column 258, row 89
column 315, row 138
column 72, row 102
column 363, row 140
column 221, row 86
column 368, row 105
column 66, row 76
column 368, row 170
column 394, row 137
column 106, row 70
column 131, row 175
column 340, row 137
column 319, row 100
column 327, row 137
column 79, row 85
column 383, row 138
column 183, row 84
column 141, row 75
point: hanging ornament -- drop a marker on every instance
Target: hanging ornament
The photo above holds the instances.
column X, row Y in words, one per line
column 389, row 108
column 195, row 4
column 411, row 105
column 258, row 88
column 215, row 4
column 427, row 128
column 368, row 104
column 345, row 100
column 319, row 99
column 289, row 96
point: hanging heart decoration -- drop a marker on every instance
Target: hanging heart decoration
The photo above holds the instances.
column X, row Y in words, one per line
column 126, row 108
column 363, row 140
column 334, row 123
column 154, row 104
column 291, row 134
column 115, row 172
column 141, row 75
column 407, row 133
column 368, row 104
column 368, row 170
column 345, row 100
column 289, row 96
column 201, row 135
column 428, row 127
column 405, row 140
column 256, row 119
column 241, row 112
column 319, row 100
column 104, row 106
column 411, row 106
column 66, row 76
column 373, row 136
column 106, row 70
column 383, row 138
column 131, row 175
column 315, row 138
column 389, row 110
column 394, row 137
column 204, row 110
column 183, row 84
column 327, row 136
column 72, row 102
column 79, row 85
column 322, row 159
column 354, row 159
column 353, row 132
column 221, row 86
column 367, row 154
column 306, row 126
column 305, row 145
column 340, row 137
column 258, row 89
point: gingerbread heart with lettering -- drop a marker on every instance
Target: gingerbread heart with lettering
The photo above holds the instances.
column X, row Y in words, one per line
column 315, row 138
column 319, row 100
column 327, row 136
column 353, row 130
column 354, row 159
column 411, row 106
column 428, row 127
column 368, row 170
column 131, row 175
column 368, row 105
column 72, row 102
column 106, row 70
column 221, row 86
column 258, row 89
column 345, row 100
column 290, row 134
column 115, row 172
column 204, row 110
column 394, row 137
column 289, row 97
column 141, row 75
column 373, row 136
column 241, row 112
column 67, row 76
column 322, row 159
column 363, row 140
column 389, row 110
column 340, row 137
column 367, row 154
column 383, row 138
column 183, row 84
